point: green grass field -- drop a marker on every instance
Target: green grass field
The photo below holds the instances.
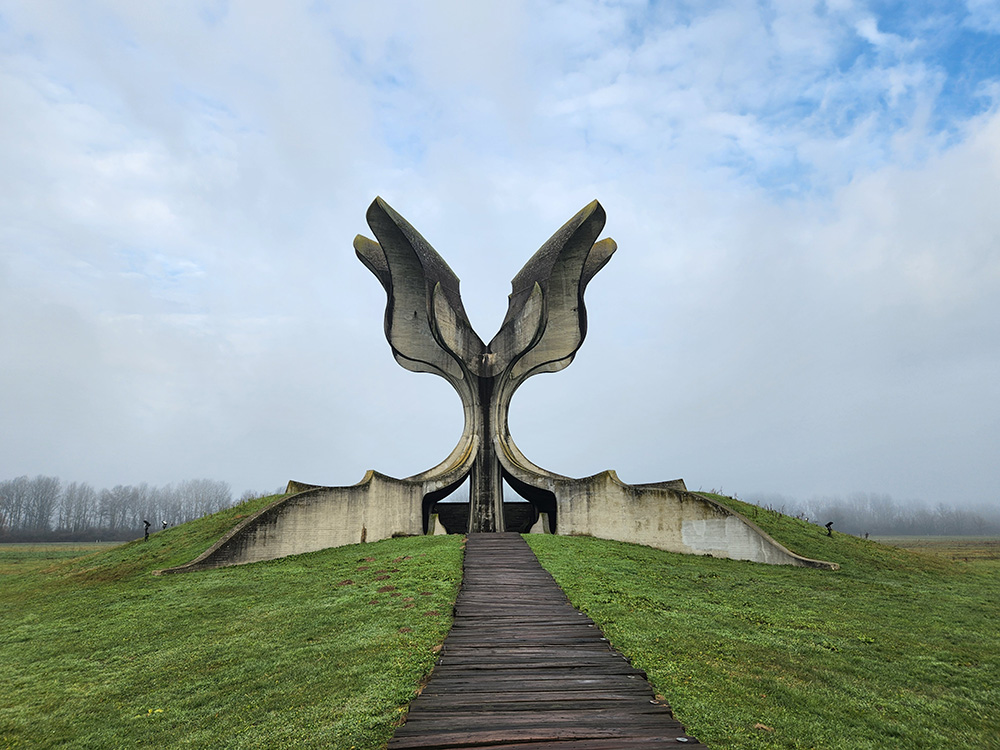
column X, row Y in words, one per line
column 23, row 558
column 319, row 650
column 964, row 548
column 898, row 649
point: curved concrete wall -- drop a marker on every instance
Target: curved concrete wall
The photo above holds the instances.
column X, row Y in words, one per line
column 665, row 517
column 317, row 518
column 661, row 515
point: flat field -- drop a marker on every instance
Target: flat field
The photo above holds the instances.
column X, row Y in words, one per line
column 964, row 548
column 21, row 558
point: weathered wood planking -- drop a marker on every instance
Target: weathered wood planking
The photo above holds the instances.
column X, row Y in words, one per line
column 522, row 669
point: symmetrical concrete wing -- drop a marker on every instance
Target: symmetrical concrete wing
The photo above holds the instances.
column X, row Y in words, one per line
column 428, row 331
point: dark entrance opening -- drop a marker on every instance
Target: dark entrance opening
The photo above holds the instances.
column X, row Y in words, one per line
column 433, row 499
column 521, row 506
column 542, row 501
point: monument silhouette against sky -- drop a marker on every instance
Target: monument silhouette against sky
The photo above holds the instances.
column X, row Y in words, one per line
column 428, row 331
column 427, row 328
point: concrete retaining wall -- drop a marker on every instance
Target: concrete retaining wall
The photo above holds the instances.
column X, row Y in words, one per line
column 317, row 518
column 660, row 516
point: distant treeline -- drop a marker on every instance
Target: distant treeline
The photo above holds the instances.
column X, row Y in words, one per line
column 880, row 515
column 44, row 509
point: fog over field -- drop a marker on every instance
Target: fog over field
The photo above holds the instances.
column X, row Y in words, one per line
column 805, row 301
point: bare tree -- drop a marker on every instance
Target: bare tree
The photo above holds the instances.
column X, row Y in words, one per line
column 43, row 497
column 14, row 502
column 79, row 507
column 39, row 508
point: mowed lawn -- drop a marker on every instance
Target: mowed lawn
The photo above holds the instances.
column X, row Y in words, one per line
column 319, row 650
column 895, row 650
column 964, row 548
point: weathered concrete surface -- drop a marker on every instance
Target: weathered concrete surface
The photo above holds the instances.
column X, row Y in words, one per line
column 669, row 519
column 662, row 515
column 317, row 518
column 428, row 331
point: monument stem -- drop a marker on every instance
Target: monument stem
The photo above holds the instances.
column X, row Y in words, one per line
column 485, row 480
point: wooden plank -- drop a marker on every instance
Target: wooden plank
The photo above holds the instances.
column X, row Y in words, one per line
column 619, row 743
column 460, row 740
column 521, row 668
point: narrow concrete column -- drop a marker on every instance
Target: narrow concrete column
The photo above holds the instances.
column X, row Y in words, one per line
column 485, row 479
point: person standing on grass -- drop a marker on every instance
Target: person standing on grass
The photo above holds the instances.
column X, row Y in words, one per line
column 147, row 524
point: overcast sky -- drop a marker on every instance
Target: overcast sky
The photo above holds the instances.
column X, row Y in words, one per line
column 805, row 196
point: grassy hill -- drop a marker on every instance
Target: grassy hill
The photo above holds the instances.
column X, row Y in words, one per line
column 895, row 650
column 319, row 650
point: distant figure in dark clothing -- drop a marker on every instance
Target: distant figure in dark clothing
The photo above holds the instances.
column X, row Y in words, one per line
column 147, row 524
column 829, row 528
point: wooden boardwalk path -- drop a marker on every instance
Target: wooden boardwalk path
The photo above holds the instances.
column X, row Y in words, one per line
column 521, row 668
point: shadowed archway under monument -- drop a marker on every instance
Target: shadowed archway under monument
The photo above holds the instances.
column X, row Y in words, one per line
column 428, row 331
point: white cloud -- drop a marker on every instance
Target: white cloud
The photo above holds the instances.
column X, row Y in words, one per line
column 802, row 301
column 984, row 15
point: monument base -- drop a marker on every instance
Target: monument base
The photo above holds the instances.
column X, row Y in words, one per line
column 662, row 515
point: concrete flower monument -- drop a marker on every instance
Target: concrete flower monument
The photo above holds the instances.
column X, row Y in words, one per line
column 428, row 331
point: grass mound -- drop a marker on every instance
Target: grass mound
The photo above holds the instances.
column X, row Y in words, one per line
column 318, row 650
column 167, row 548
column 810, row 540
column 896, row 649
